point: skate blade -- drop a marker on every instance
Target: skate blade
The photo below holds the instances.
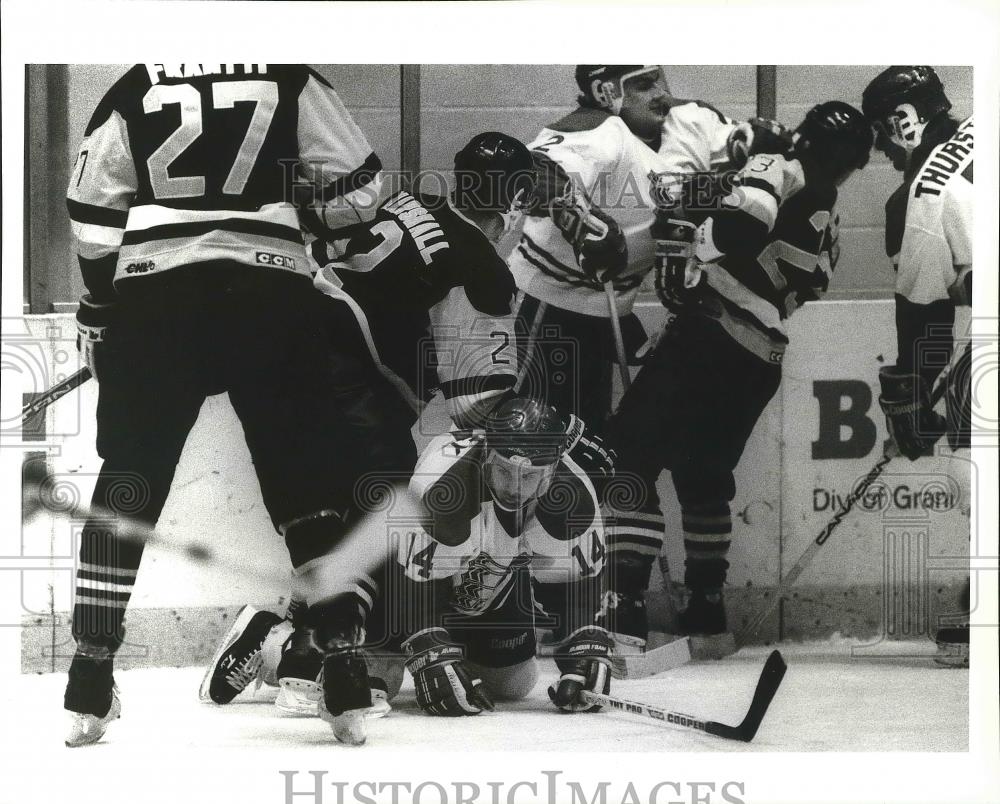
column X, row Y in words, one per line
column 652, row 662
column 299, row 697
column 89, row 729
column 952, row 656
column 243, row 618
column 350, row 727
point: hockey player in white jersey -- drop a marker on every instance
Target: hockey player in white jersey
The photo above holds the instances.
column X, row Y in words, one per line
column 928, row 237
column 512, row 538
column 591, row 224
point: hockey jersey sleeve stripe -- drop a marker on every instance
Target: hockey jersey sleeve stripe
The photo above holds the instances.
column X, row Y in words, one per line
column 237, row 225
column 468, row 386
column 358, row 178
column 80, row 212
column 761, row 184
column 545, row 255
column 96, row 242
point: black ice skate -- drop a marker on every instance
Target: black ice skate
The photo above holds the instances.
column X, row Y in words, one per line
column 704, row 621
column 347, row 694
column 953, row 646
column 298, row 675
column 238, row 660
column 91, row 695
column 624, row 617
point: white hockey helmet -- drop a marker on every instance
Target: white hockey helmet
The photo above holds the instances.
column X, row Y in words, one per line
column 604, row 84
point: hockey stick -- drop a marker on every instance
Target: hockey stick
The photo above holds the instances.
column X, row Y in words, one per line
column 529, row 353
column 790, row 577
column 358, row 552
column 767, row 686
column 616, row 328
column 56, row 392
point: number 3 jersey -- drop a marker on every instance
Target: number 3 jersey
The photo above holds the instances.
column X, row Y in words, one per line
column 480, row 546
column 183, row 164
column 432, row 299
column 771, row 248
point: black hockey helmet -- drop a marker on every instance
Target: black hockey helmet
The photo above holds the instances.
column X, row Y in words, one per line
column 494, row 172
column 525, row 439
column 833, row 139
column 918, row 86
column 527, row 428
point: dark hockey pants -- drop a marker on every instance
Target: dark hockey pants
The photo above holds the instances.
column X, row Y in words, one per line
column 305, row 408
column 691, row 409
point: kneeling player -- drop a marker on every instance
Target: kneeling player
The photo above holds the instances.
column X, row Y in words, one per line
column 505, row 507
column 771, row 246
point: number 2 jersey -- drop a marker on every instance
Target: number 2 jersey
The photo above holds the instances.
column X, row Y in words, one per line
column 432, row 299
column 189, row 163
column 613, row 166
column 771, row 248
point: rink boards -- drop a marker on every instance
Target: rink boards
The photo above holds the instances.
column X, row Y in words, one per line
column 885, row 572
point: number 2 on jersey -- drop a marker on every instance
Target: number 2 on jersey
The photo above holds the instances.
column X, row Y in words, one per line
column 264, row 96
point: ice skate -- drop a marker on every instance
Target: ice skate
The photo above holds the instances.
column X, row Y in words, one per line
column 88, row 729
column 952, row 646
column 624, row 617
column 91, row 696
column 347, row 696
column 299, row 675
column 237, row 662
column 704, row 622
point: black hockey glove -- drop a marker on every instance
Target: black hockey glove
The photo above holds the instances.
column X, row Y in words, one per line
column 94, row 323
column 597, row 240
column 444, row 685
column 588, row 450
column 913, row 425
column 758, row 136
column 674, row 278
column 584, row 662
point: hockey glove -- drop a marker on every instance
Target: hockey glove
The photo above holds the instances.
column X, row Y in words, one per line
column 676, row 276
column 444, row 685
column 758, row 136
column 588, row 450
column 913, row 424
column 584, row 662
column 597, row 240
column 94, row 321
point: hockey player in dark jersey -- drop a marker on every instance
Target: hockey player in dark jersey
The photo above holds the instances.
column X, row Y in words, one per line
column 422, row 291
column 591, row 225
column 192, row 254
column 928, row 237
column 770, row 246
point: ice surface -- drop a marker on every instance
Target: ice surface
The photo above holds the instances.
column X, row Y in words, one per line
column 829, row 701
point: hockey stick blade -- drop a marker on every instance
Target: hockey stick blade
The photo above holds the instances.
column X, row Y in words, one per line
column 767, row 686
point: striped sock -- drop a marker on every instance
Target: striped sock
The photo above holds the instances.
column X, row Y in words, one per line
column 634, row 540
column 707, row 535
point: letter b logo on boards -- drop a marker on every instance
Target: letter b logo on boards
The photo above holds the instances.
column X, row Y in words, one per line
column 845, row 429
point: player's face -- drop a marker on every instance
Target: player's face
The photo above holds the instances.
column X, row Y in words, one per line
column 514, row 481
column 644, row 102
column 898, row 134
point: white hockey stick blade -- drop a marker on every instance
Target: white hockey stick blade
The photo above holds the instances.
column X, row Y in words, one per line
column 658, row 660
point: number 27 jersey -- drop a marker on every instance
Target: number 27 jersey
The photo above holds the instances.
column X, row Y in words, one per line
column 183, row 164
